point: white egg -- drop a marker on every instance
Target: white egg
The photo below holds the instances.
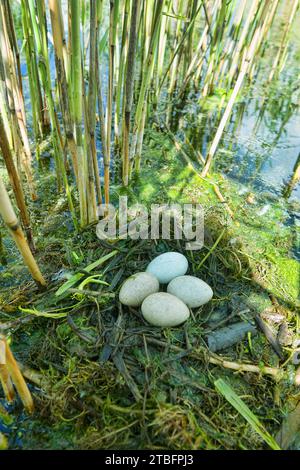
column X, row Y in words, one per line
column 164, row 310
column 137, row 287
column 191, row 290
column 167, row 266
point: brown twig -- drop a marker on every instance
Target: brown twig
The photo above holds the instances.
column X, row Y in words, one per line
column 269, row 336
column 217, row 360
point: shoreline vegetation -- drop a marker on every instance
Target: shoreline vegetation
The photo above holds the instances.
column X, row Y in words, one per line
column 101, row 99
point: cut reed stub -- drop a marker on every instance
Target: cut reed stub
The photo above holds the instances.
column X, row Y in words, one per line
column 10, row 219
column 5, row 379
column 6, row 383
column 10, row 374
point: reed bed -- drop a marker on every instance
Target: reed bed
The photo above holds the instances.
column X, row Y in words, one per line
column 155, row 52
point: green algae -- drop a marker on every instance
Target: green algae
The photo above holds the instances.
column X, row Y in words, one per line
column 287, row 273
column 265, row 238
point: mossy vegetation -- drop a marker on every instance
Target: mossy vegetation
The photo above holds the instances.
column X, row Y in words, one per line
column 103, row 382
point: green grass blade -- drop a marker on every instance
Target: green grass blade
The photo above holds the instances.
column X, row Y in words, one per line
column 74, row 279
column 5, row 418
column 93, row 280
column 37, row 313
column 103, row 42
column 243, row 409
column 69, row 283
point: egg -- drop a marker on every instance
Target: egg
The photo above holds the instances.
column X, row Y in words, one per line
column 191, row 290
column 167, row 266
column 164, row 310
column 137, row 287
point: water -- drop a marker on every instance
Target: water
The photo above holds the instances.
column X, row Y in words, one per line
column 260, row 147
column 266, row 143
column 265, row 157
column 261, row 142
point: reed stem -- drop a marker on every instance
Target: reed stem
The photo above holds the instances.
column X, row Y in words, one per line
column 10, row 219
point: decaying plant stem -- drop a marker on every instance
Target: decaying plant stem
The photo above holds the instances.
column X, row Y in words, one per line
column 12, row 223
column 12, row 374
column 16, row 183
column 128, row 88
column 212, row 358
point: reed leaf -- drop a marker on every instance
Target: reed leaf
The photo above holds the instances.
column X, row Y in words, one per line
column 76, row 277
column 247, row 414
